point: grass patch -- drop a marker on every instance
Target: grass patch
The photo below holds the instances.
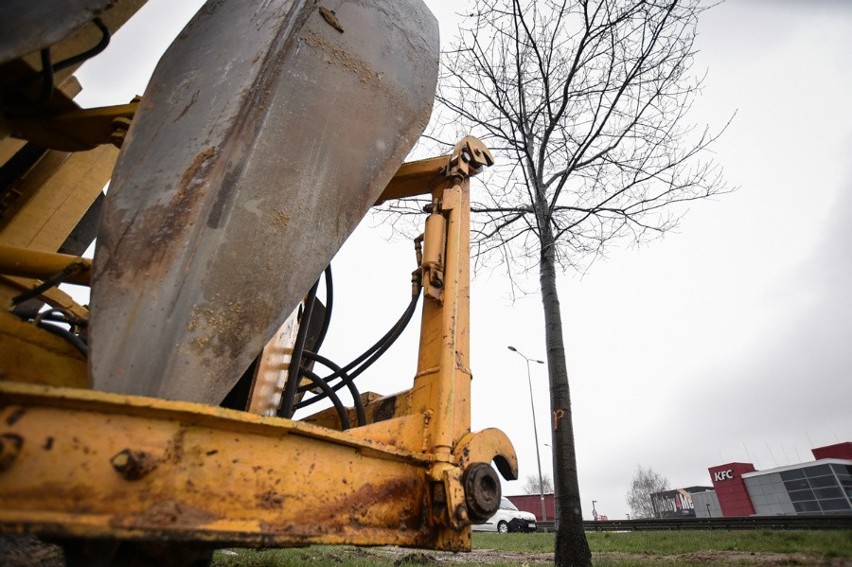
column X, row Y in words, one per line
column 518, row 542
column 822, row 543
column 829, row 543
column 628, row 549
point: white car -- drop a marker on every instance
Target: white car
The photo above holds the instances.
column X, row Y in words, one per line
column 507, row 519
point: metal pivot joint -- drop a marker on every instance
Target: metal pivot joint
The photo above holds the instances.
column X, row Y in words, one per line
column 482, row 491
column 468, row 158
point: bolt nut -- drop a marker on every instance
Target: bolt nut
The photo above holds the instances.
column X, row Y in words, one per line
column 10, row 448
column 482, row 491
column 120, row 126
column 133, row 465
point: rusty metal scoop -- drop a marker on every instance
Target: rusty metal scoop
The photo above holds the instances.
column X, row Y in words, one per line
column 267, row 131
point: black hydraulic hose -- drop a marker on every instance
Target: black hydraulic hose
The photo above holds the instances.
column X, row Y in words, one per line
column 360, row 364
column 89, row 53
column 59, row 315
column 46, row 74
column 350, row 385
column 288, row 398
column 329, row 305
column 394, row 334
column 76, row 341
column 329, row 393
column 52, row 281
column 382, row 345
column 386, row 338
column 374, row 352
column 48, row 68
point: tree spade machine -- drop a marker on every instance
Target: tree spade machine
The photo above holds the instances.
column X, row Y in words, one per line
column 161, row 415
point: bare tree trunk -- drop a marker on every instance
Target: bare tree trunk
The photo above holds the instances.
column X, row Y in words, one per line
column 572, row 549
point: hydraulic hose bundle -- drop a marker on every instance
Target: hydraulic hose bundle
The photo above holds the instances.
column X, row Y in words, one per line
column 326, row 387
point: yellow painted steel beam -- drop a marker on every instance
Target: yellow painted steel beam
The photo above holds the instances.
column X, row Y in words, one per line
column 8, row 146
column 53, row 197
column 424, row 176
column 35, row 356
column 442, row 382
column 415, row 178
column 26, row 263
column 11, row 286
column 76, row 129
column 11, row 146
column 77, row 463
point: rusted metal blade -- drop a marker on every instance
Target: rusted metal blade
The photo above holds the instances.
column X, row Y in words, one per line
column 267, row 131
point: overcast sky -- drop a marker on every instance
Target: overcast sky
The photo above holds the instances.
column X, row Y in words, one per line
column 728, row 340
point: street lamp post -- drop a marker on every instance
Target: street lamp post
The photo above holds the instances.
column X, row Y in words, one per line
column 535, row 431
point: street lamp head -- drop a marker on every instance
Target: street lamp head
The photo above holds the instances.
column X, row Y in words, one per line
column 539, row 361
column 513, row 349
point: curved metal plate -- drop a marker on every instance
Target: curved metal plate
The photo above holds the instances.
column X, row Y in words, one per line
column 268, row 130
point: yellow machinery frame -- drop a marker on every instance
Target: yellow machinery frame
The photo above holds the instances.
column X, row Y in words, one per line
column 77, row 463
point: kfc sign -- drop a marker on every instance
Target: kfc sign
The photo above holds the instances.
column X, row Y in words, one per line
column 723, row 475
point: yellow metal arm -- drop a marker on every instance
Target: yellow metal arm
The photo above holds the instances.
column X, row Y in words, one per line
column 15, row 261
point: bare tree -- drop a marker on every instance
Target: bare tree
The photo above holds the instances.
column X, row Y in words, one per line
column 645, row 483
column 586, row 103
column 531, row 485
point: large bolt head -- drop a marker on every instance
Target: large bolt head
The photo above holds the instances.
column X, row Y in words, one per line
column 482, row 491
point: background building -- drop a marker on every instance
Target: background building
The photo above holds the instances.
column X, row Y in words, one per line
column 677, row 503
column 532, row 503
column 821, row 486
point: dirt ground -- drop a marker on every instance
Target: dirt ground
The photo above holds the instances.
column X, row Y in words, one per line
column 407, row 557
column 30, row 552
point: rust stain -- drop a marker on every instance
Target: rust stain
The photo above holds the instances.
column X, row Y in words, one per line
column 16, row 415
column 330, row 16
column 280, row 219
column 335, row 55
column 386, row 409
column 173, row 513
column 79, row 496
column 216, row 321
column 187, row 107
column 358, row 504
column 161, row 229
column 368, row 509
column 174, row 450
column 10, row 447
column 193, row 174
column 271, row 500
